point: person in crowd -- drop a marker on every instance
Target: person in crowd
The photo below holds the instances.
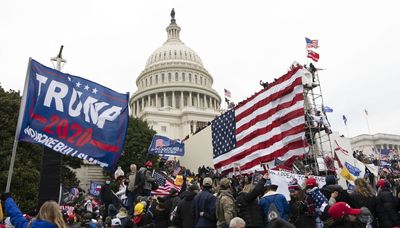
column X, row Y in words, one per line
column 298, row 207
column 387, row 205
column 344, row 216
column 204, row 206
column 170, row 203
column 332, row 186
column 122, row 191
column 146, row 176
column 363, row 196
column 49, row 215
column 184, row 216
column 116, row 223
column 141, row 217
column 160, row 214
column 131, row 190
column 273, row 201
column 237, row 222
column 248, row 207
column 225, row 206
column 316, row 202
column 106, row 196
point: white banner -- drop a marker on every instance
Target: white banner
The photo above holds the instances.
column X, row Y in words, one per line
column 282, row 179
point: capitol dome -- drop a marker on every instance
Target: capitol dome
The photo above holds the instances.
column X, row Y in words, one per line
column 175, row 94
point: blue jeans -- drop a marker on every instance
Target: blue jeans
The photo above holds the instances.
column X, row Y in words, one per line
column 131, row 199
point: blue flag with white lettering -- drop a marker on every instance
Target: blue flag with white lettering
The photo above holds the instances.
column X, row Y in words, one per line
column 74, row 116
column 165, row 146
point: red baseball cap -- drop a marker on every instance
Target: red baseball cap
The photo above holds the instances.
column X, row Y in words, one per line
column 340, row 209
column 380, row 183
column 148, row 164
column 311, row 182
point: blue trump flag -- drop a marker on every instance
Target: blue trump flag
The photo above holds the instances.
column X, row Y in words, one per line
column 165, row 146
column 352, row 169
column 73, row 116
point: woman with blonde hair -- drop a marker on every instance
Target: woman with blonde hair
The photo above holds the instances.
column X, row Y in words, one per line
column 49, row 215
column 363, row 196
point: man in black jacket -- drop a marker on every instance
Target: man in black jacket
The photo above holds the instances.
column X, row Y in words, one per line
column 184, row 215
column 387, row 206
column 248, row 207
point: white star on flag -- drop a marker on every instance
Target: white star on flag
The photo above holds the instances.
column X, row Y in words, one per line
column 87, row 87
column 78, row 84
column 69, row 78
column 94, row 90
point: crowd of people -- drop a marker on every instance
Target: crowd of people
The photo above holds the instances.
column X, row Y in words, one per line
column 211, row 200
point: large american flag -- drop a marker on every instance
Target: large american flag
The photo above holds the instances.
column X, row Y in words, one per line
column 164, row 185
column 268, row 125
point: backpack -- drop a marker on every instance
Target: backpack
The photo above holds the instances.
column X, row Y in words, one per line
column 273, row 212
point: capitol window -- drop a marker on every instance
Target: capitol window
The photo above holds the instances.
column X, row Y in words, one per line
column 176, row 76
column 190, row 77
column 162, row 78
column 201, row 80
column 195, row 79
column 169, row 77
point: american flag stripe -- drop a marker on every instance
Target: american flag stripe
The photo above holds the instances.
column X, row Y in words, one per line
column 164, row 190
column 269, row 124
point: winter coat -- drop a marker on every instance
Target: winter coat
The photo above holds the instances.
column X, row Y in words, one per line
column 225, row 207
column 131, row 184
column 106, row 194
column 249, row 209
column 387, row 209
column 184, row 215
column 358, row 201
column 299, row 216
column 205, row 202
column 343, row 223
column 280, row 202
column 161, row 217
column 170, row 203
column 19, row 221
column 145, row 221
column 148, row 179
column 343, row 195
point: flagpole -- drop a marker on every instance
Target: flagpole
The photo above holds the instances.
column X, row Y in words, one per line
column 366, row 118
column 18, row 129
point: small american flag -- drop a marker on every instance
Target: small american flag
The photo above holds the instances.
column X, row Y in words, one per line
column 313, row 55
column 311, row 43
column 227, row 93
column 266, row 126
column 164, row 185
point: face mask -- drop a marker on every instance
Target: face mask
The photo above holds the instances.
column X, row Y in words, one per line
column 108, row 182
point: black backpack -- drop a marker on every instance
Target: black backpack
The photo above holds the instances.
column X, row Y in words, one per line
column 140, row 179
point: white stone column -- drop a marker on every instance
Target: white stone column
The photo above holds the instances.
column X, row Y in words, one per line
column 198, row 100
column 157, row 100
column 142, row 103
column 165, row 99
column 173, row 100
column 209, row 104
column 149, row 100
column 182, row 99
column 190, row 99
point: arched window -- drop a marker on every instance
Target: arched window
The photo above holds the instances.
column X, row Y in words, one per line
column 169, row 77
column 201, row 80
column 176, row 76
column 162, row 78
column 195, row 79
column 190, row 77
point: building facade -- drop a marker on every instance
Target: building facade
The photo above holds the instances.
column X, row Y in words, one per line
column 368, row 143
column 175, row 94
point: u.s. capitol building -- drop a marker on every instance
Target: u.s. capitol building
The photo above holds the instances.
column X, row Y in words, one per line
column 175, row 94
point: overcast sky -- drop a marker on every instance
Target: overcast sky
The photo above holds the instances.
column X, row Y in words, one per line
column 239, row 42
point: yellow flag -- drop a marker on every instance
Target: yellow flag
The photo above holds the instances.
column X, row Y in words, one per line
column 179, row 180
column 1, row 213
column 346, row 174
